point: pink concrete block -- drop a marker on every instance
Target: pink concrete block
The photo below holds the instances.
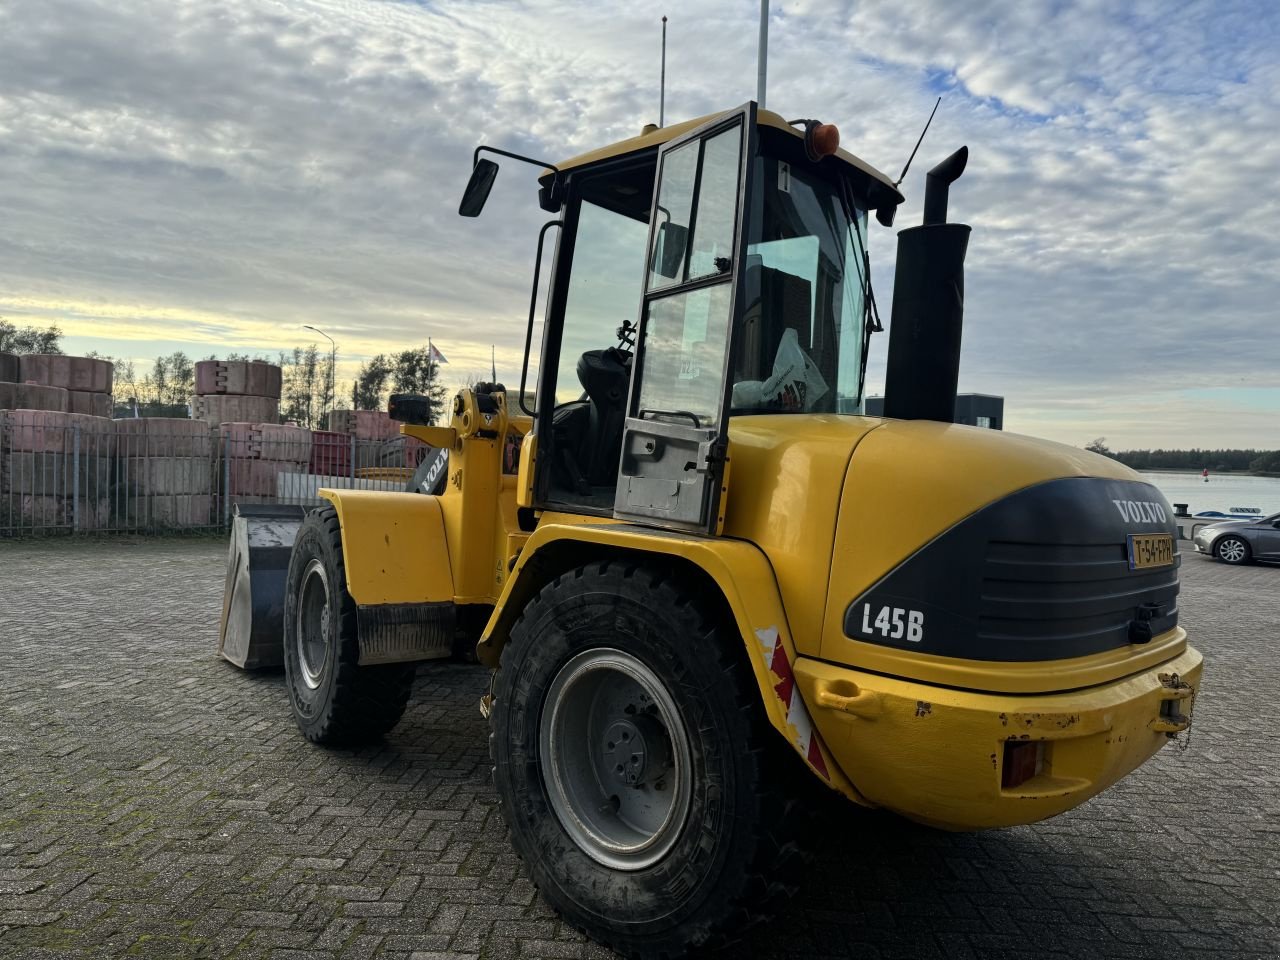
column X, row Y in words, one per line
column 91, row 375
column 33, row 396
column 181, row 511
column 216, row 409
column 85, row 401
column 163, row 437
column 283, row 442
column 364, row 424
column 70, row 373
column 207, row 376
column 46, row 369
column 251, row 478
column 238, row 378
column 240, row 441
column 167, row 476
column 32, row 431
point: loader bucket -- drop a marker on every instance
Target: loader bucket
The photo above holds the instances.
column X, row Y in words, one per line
column 262, row 538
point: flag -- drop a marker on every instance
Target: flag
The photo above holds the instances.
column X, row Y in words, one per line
column 436, row 355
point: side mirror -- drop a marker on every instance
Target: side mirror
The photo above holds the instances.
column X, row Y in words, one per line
column 478, row 187
column 669, row 249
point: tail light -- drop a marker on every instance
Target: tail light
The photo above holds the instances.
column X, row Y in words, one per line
column 1023, row 759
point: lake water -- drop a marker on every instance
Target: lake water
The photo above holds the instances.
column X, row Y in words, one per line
column 1223, row 491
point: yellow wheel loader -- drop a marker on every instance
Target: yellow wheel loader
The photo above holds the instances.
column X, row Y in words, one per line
column 701, row 577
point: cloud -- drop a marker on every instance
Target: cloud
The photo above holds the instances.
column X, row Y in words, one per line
column 174, row 171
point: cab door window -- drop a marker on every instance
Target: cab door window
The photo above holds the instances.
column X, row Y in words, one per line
column 687, row 331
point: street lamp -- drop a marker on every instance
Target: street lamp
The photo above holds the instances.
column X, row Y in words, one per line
column 333, row 362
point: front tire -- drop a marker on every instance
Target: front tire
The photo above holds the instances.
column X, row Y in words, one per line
column 635, row 769
column 1232, row 549
column 335, row 700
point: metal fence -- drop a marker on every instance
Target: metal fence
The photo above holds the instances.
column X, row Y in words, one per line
column 66, row 474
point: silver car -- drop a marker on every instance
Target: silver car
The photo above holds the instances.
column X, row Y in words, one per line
column 1239, row 541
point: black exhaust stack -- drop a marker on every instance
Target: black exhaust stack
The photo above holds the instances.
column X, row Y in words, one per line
column 928, row 306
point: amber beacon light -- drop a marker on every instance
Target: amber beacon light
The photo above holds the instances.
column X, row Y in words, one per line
column 821, row 139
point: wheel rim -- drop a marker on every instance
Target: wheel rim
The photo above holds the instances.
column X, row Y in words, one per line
column 313, row 623
column 1231, row 550
column 616, row 759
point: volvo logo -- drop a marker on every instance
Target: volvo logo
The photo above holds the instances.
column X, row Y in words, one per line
column 1141, row 511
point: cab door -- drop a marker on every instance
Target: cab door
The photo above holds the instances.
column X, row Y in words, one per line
column 675, row 435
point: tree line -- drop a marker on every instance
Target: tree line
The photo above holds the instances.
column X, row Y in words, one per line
column 1193, row 460
column 15, row 339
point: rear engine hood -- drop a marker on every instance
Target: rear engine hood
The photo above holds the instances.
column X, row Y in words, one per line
column 997, row 562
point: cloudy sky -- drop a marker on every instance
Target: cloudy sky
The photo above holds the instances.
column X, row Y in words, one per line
column 209, row 176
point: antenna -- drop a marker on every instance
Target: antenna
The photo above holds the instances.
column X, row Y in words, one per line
column 917, row 146
column 762, row 53
column 662, row 86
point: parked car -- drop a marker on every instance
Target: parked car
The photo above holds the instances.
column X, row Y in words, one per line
column 1240, row 541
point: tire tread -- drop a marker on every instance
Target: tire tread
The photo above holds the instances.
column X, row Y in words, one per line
column 778, row 861
column 367, row 701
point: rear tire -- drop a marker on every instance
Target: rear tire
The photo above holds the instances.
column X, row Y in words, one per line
column 1232, row 549
column 335, row 700
column 641, row 783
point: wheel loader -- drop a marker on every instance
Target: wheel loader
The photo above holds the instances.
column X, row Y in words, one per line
column 702, row 580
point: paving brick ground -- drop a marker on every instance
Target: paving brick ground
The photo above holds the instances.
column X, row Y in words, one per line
column 157, row 802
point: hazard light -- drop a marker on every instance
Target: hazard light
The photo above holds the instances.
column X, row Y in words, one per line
column 820, row 139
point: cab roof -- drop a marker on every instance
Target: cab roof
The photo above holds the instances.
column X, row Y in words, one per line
column 885, row 194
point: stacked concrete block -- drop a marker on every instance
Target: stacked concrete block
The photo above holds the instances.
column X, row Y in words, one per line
column 55, row 469
column 163, row 437
column 255, row 378
column 251, row 457
column 371, row 429
column 163, row 470
column 216, row 409
column 33, row 396
column 364, row 424
column 92, row 404
column 330, row 453
column 233, row 391
column 86, row 374
column 55, row 382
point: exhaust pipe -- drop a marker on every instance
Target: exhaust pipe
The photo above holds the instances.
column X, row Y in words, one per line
column 928, row 306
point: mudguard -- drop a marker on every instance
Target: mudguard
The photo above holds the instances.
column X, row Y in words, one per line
column 397, row 568
column 744, row 578
column 393, row 546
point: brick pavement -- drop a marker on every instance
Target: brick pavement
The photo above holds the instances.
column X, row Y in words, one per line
column 157, row 802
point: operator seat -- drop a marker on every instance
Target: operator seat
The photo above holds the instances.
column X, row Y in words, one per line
column 605, row 375
column 588, row 432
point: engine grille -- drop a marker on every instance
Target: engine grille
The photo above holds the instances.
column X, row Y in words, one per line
column 1070, row 597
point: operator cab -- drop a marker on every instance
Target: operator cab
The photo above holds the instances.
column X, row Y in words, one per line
column 705, row 271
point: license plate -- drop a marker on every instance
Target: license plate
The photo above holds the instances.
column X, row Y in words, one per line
column 1148, row 550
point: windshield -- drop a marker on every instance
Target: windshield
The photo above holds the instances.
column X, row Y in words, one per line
column 802, row 333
